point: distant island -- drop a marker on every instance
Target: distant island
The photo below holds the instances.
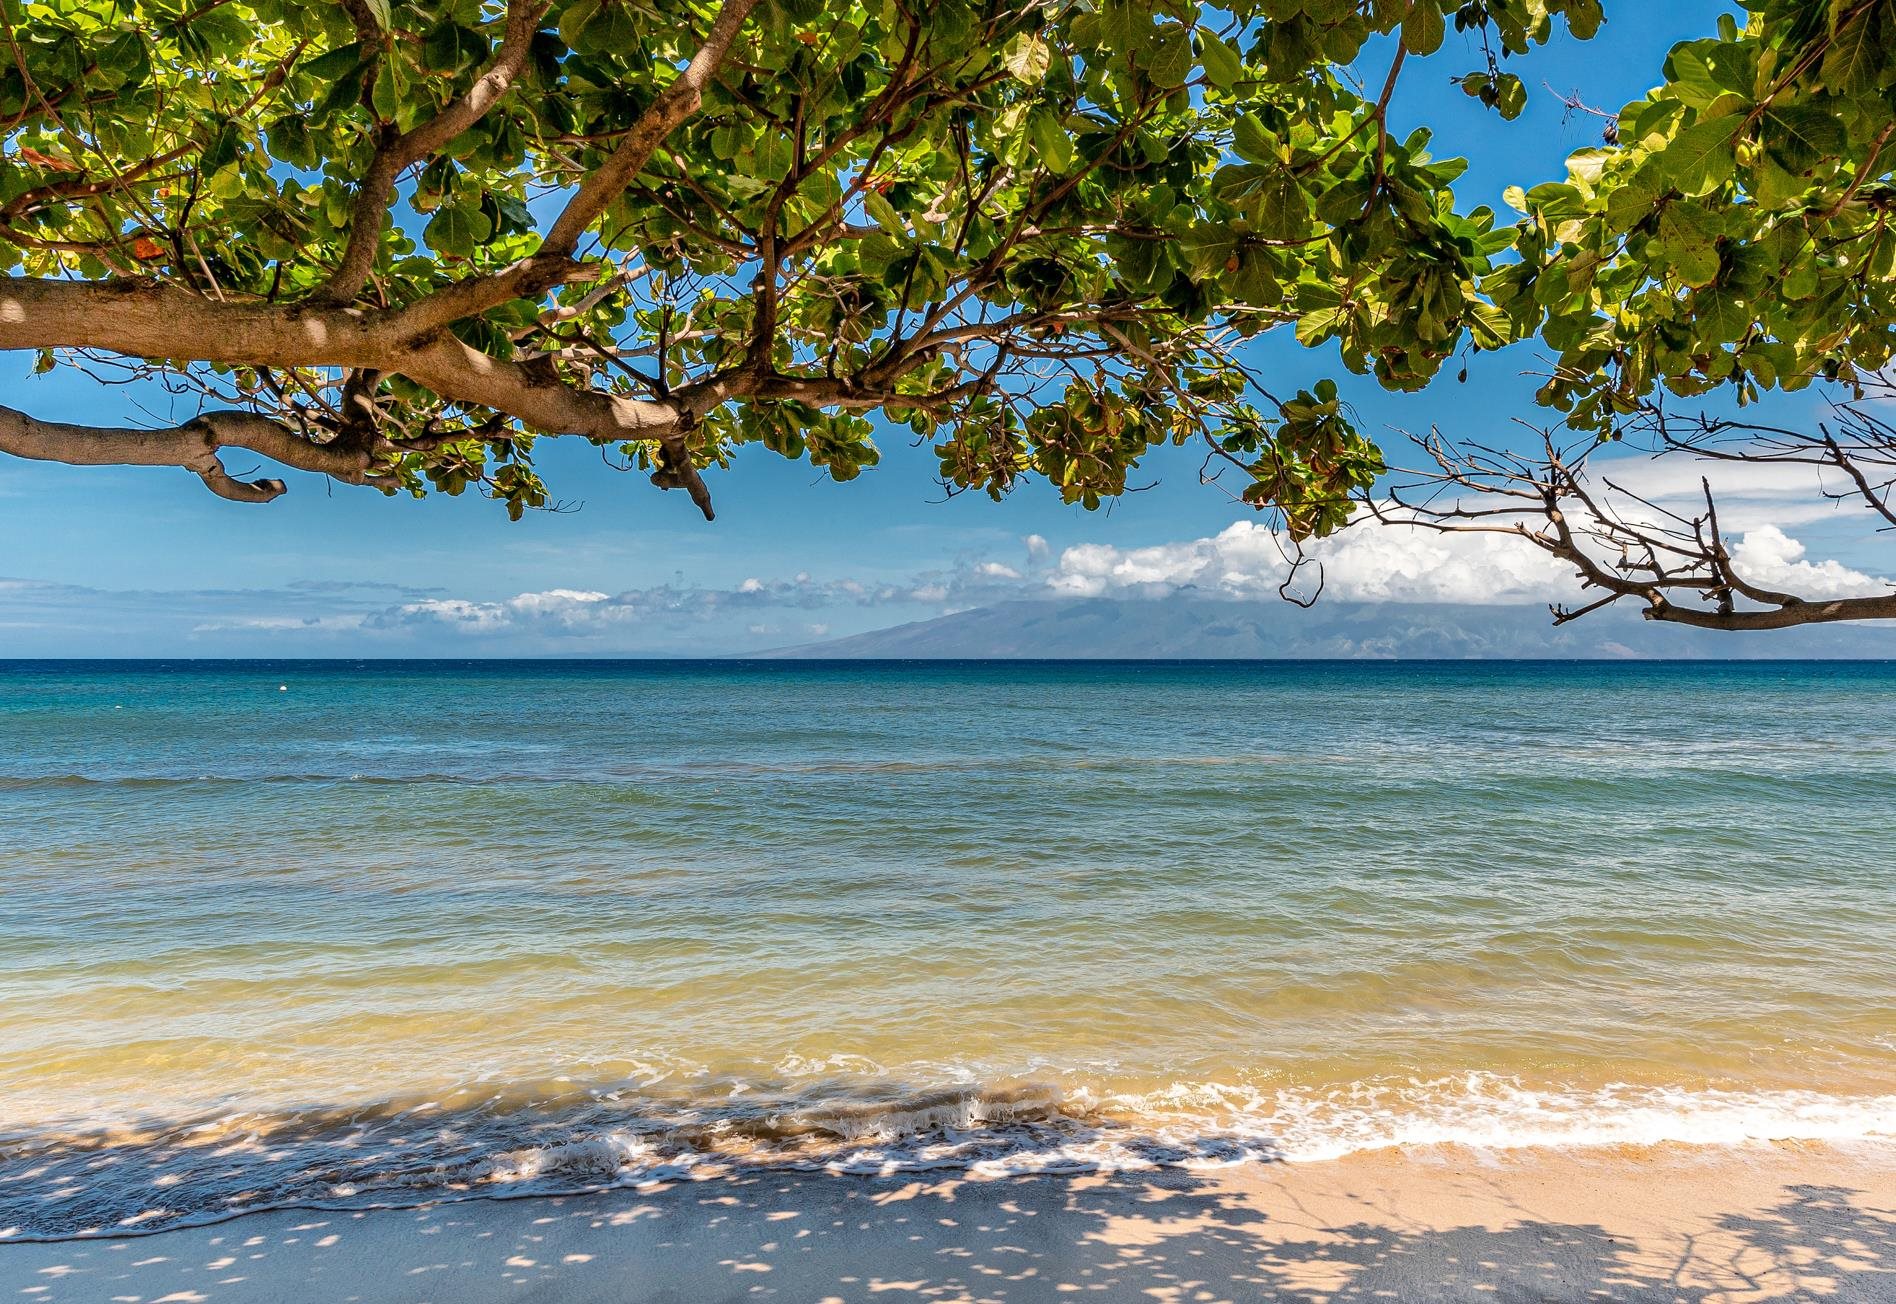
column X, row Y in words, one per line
column 1194, row 626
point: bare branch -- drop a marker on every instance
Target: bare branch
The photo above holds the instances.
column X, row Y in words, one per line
column 193, row 446
column 1626, row 546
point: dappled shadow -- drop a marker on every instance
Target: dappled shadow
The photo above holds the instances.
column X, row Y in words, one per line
column 1819, row 1234
column 559, row 1138
column 1167, row 1236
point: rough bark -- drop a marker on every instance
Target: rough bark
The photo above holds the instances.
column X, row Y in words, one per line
column 145, row 319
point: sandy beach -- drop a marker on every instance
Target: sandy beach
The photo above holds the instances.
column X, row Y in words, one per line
column 1731, row 1226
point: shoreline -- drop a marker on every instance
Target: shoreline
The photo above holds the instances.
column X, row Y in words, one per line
column 1731, row 1224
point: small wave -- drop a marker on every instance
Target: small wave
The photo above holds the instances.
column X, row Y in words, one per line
column 1490, row 1112
column 648, row 772
column 401, row 1154
column 38, row 782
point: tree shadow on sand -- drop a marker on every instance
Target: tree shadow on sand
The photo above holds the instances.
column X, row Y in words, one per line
column 1166, row 1236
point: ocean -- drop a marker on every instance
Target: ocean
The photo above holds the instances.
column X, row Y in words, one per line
column 370, row 933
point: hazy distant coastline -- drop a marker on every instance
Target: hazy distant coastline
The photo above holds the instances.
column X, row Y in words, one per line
column 1190, row 626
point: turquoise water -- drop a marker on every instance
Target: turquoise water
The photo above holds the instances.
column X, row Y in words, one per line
column 373, row 932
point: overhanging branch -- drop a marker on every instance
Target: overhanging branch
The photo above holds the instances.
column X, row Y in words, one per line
column 1677, row 567
column 193, row 445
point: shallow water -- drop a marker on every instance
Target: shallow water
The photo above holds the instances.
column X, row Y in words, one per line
column 359, row 931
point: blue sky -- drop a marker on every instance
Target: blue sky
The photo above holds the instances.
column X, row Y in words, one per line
column 145, row 562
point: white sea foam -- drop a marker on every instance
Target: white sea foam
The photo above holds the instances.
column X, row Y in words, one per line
column 1208, row 1125
column 1487, row 1111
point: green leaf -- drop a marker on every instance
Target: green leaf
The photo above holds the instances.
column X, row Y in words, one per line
column 449, row 47
column 1584, row 18
column 1857, row 54
column 1169, row 60
column 1254, row 142
column 1722, row 315
column 1690, row 232
column 1142, row 265
column 1423, row 28
column 1051, row 141
column 574, row 20
column 458, row 229
column 335, row 63
column 1223, row 68
column 611, row 30
column 1690, row 79
column 883, row 213
column 1208, row 247
column 1255, row 281
column 510, row 213
column 1801, row 136
column 1281, row 208
column 1028, row 58
column 127, row 60
column 1511, row 96
column 290, row 140
column 223, row 147
column 1124, row 27
column 1700, row 157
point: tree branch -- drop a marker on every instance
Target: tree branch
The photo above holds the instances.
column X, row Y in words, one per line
column 674, row 104
column 148, row 320
column 1662, row 555
column 193, row 446
column 1878, row 607
column 399, row 152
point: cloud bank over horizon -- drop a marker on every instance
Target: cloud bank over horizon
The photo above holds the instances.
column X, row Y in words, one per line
column 1369, row 563
column 1400, row 563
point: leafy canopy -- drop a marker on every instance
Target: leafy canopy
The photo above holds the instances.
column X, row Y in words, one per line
column 1737, row 229
column 1039, row 235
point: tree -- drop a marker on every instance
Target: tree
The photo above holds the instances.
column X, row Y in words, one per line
column 395, row 243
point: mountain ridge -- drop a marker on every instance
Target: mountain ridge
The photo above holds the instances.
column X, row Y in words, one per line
column 1187, row 626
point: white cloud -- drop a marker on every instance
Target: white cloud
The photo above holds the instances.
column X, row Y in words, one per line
column 1398, row 563
column 280, row 624
column 1759, row 508
column 1771, row 559
column 1748, row 494
column 551, row 606
column 1373, row 562
column 556, row 599
column 1367, row 563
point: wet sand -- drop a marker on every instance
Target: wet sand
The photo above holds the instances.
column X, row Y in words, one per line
column 1704, row 1225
